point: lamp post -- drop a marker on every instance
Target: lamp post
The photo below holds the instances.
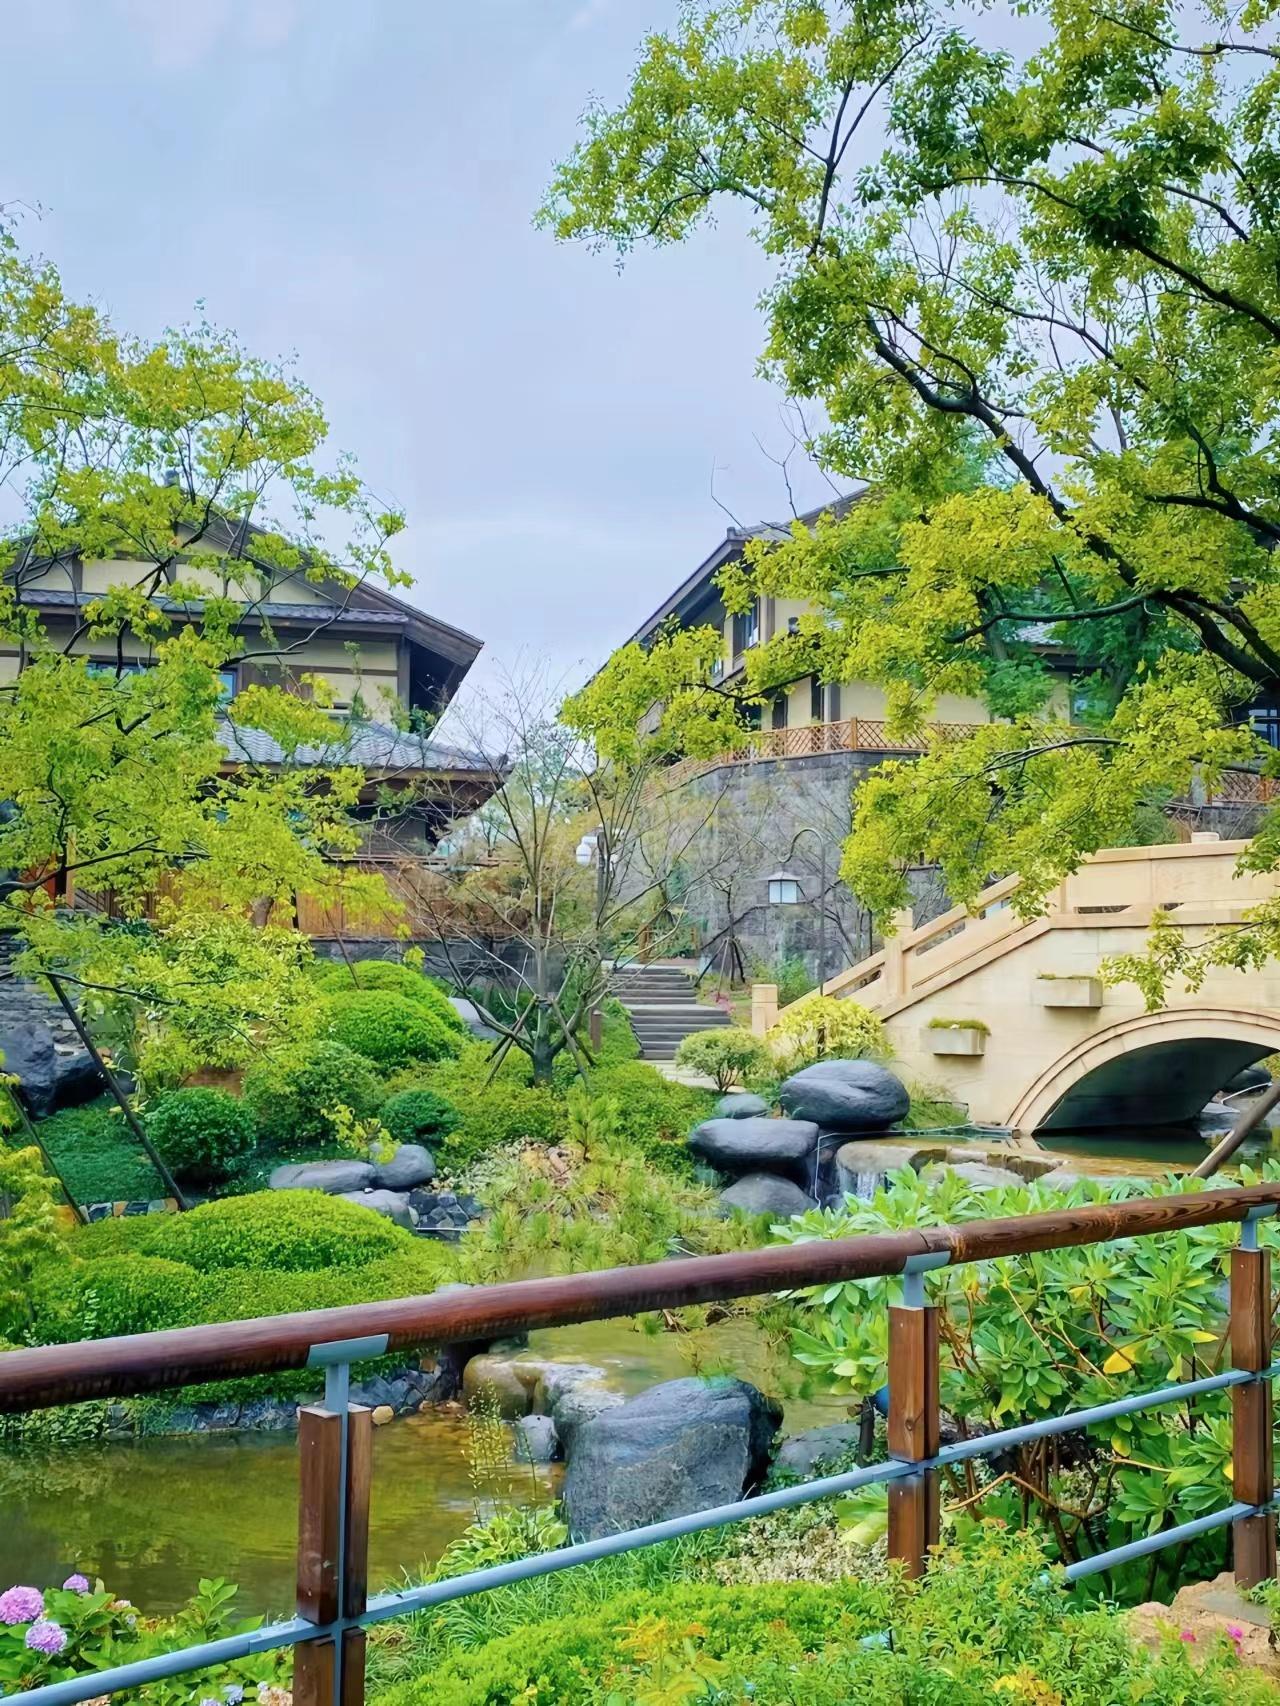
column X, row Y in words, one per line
column 785, row 889
column 594, row 846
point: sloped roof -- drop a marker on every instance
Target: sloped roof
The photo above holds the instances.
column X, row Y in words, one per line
column 371, row 746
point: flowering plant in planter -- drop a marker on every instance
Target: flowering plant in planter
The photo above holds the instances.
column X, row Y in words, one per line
column 48, row 1635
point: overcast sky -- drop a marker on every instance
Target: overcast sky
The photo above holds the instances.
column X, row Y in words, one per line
column 355, row 183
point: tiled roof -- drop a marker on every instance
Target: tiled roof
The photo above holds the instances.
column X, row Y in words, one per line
column 323, row 615
column 372, row 746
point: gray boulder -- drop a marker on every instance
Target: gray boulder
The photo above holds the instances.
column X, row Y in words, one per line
column 845, row 1095
column 334, row 1178
column 740, row 1106
column 855, row 1162
column 976, row 1173
column 388, row 1203
column 684, row 1446
column 766, row 1193
column 756, row 1145
column 410, row 1166
column 535, row 1439
column 49, row 1076
column 576, row 1405
column 803, row 1453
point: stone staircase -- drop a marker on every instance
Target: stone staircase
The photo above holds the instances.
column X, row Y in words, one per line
column 662, row 1006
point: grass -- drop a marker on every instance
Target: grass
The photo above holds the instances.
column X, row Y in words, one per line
column 98, row 1156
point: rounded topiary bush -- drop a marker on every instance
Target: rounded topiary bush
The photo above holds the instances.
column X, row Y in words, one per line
column 418, row 1116
column 390, row 1029
column 291, row 1093
column 201, row 1133
column 729, row 1055
column 288, row 1231
column 395, row 979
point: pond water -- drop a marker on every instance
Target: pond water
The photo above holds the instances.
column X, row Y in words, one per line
column 152, row 1516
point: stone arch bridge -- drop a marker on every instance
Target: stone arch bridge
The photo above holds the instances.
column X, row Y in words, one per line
column 1012, row 1018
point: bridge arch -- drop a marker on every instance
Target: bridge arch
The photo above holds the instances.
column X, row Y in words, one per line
column 1151, row 1069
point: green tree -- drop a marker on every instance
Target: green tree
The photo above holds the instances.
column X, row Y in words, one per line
column 197, row 467
column 1035, row 298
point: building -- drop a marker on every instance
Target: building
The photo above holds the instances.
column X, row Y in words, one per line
column 782, row 803
column 378, row 655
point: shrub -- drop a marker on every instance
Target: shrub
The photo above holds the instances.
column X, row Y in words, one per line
column 287, row 1231
column 395, row 979
column 389, row 1029
column 791, row 975
column 97, row 1154
column 987, row 1623
column 291, row 1093
column 655, row 1115
column 201, row 1133
column 820, row 1027
column 418, row 1116
column 730, row 1056
column 491, row 1114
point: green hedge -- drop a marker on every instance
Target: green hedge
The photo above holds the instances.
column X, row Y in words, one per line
column 201, row 1133
column 655, row 1114
column 419, row 1116
column 286, row 1231
column 389, row 1029
column 291, row 1092
column 396, row 979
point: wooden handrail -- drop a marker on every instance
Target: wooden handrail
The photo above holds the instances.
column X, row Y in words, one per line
column 149, row 1362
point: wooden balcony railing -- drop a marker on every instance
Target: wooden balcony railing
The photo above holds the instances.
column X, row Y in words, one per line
column 335, row 1439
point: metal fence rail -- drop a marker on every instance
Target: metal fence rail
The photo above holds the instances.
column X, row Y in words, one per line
column 335, row 1439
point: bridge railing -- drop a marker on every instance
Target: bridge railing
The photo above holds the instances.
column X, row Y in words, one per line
column 334, row 1609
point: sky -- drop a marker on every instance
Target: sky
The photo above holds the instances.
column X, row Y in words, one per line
column 355, row 184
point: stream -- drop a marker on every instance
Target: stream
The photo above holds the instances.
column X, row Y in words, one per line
column 152, row 1516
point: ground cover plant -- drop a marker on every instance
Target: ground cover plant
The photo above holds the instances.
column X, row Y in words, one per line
column 98, row 1156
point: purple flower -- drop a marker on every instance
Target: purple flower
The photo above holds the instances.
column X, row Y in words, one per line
column 76, row 1584
column 21, row 1605
column 46, row 1637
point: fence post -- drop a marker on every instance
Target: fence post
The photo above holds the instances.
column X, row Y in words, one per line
column 335, row 1444
column 914, row 1517
column 1253, row 1473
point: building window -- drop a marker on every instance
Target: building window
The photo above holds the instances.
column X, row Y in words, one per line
column 817, row 701
column 746, row 629
column 780, row 711
column 226, row 686
column 1264, row 720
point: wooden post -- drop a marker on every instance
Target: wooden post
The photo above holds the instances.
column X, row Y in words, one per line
column 1253, row 1537
column 764, row 1007
column 895, row 954
column 333, row 1525
column 913, row 1433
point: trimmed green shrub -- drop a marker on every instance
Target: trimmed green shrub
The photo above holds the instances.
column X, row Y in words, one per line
column 508, row 1110
column 291, row 1093
column 287, row 1231
column 201, row 1133
column 729, row 1055
column 130, row 1293
column 98, row 1155
column 396, row 979
column 655, row 1115
column 390, row 1029
column 418, row 1116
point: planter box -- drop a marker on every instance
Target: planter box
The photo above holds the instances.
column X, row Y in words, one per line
column 1067, row 991
column 955, row 1039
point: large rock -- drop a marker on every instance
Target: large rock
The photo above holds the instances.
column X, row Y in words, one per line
column 409, row 1167
column 804, row 1453
column 522, row 1385
column 756, row 1145
column 535, row 1440
column 334, row 1178
column 687, row 1445
column 740, row 1106
column 845, row 1095
column 767, row 1193
column 49, row 1077
column 857, row 1163
column 388, row 1203
column 976, row 1173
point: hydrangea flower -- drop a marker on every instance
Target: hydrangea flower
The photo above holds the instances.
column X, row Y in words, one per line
column 233, row 1694
column 76, row 1584
column 45, row 1637
column 21, row 1605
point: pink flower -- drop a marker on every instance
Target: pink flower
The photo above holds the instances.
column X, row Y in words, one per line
column 21, row 1605
column 1186, row 1635
column 47, row 1638
column 76, row 1584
